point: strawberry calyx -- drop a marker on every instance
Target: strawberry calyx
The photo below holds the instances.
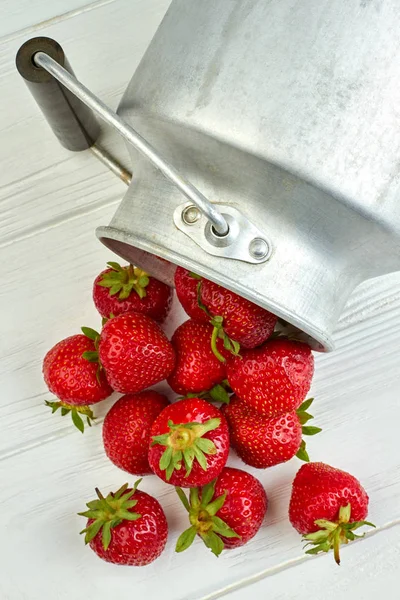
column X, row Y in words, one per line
column 219, row 393
column 184, row 444
column 93, row 355
column 109, row 512
column 304, row 417
column 121, row 281
column 332, row 534
column 202, row 511
column 75, row 412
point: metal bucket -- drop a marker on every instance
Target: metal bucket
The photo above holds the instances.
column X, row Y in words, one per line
column 289, row 112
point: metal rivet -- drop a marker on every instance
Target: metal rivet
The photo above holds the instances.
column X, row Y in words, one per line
column 190, row 215
column 258, row 248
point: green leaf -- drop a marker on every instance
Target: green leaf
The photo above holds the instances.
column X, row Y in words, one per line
column 160, row 439
column 236, row 347
column 200, row 457
column 89, row 514
column 309, row 430
column 320, row 548
column 77, row 421
column 213, row 541
column 220, row 527
column 128, row 515
column 216, row 504
column 302, row 453
column 194, row 497
column 166, row 458
column 143, row 281
column 121, row 490
column 114, row 265
column 207, row 446
column 358, row 524
column 194, row 275
column 304, row 417
column 207, row 493
column 90, row 333
column 114, row 289
column 169, row 470
column 188, row 457
column 219, row 394
column 92, row 531
column 185, row 539
column 209, row 425
column 91, row 356
column 136, row 485
column 106, row 535
column 53, row 405
column 183, row 498
column 64, row 411
column 317, row 536
column 305, row 405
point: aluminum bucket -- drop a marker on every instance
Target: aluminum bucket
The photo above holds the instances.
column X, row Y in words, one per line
column 288, row 112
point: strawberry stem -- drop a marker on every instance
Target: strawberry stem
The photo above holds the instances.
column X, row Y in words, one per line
column 214, row 348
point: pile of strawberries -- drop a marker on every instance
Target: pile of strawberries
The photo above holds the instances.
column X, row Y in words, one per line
column 241, row 385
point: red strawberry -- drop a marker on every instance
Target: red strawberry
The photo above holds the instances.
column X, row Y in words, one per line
column 274, row 378
column 118, row 290
column 263, row 442
column 235, row 317
column 126, row 528
column 326, row 506
column 197, row 369
column 226, row 513
column 186, row 286
column 126, row 430
column 72, row 375
column 190, row 443
column 135, row 353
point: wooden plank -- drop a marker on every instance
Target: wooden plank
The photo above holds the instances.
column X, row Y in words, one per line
column 40, row 180
column 31, row 17
column 369, row 569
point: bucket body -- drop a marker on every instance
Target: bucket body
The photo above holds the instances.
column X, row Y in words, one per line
column 288, row 111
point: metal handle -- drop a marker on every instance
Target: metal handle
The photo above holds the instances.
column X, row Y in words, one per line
column 44, row 61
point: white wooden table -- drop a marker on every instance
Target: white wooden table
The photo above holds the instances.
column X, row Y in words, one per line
column 50, row 203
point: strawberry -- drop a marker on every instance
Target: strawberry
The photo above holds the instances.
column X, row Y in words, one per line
column 118, row 290
column 326, row 506
column 274, row 378
column 190, row 443
column 226, row 513
column 126, row 528
column 186, row 286
column 71, row 375
column 126, row 430
column 235, row 318
column 263, row 442
column 135, row 353
column 196, row 369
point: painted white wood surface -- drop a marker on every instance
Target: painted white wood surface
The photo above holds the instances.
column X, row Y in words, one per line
column 50, row 203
